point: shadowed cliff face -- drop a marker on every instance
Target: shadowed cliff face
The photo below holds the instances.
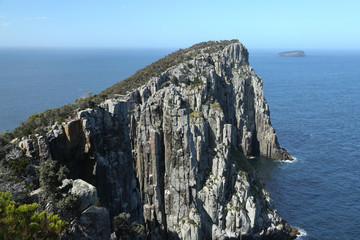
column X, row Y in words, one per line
column 171, row 153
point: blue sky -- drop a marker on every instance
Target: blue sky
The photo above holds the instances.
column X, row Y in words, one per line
column 295, row 24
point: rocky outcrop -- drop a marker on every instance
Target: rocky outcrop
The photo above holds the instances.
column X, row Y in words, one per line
column 172, row 152
column 86, row 193
column 297, row 53
column 93, row 224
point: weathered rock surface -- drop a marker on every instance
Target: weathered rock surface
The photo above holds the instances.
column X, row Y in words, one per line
column 171, row 153
column 93, row 224
column 86, row 193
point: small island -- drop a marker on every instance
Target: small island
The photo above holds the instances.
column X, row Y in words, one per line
column 297, row 53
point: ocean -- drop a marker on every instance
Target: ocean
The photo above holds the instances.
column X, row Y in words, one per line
column 315, row 109
column 33, row 80
column 314, row 104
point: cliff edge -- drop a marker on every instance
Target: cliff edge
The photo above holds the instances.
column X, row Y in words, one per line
column 172, row 152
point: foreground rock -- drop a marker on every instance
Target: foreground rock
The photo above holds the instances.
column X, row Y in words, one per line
column 172, row 152
column 93, row 224
column 86, row 193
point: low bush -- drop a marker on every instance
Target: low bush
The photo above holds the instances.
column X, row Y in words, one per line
column 126, row 230
column 23, row 222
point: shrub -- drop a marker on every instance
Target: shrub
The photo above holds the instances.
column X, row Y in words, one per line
column 5, row 145
column 23, row 222
column 51, row 176
column 196, row 117
column 18, row 166
column 216, row 106
column 124, row 229
column 49, row 179
column 69, row 203
column 38, row 123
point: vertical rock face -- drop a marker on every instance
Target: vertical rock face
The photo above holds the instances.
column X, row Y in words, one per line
column 171, row 153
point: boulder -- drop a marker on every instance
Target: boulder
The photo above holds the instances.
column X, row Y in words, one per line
column 93, row 224
column 86, row 192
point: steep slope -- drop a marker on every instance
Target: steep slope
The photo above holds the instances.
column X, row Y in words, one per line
column 172, row 152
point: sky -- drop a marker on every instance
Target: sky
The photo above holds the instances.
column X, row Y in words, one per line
column 262, row 24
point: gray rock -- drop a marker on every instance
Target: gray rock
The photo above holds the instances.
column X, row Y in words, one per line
column 171, row 153
column 93, row 224
column 84, row 191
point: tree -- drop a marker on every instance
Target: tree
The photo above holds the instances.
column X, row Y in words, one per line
column 59, row 199
column 23, row 222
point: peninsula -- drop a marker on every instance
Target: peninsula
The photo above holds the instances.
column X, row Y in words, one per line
column 162, row 154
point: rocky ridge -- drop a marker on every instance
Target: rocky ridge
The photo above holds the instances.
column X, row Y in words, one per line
column 172, row 153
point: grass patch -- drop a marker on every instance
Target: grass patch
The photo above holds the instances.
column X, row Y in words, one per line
column 216, row 106
column 196, row 117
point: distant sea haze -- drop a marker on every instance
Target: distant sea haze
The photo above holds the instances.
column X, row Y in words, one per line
column 314, row 103
column 33, row 80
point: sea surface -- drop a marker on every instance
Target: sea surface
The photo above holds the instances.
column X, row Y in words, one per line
column 33, row 80
column 314, row 104
column 315, row 109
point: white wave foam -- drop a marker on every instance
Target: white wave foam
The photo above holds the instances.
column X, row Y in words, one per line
column 291, row 161
column 288, row 160
column 302, row 232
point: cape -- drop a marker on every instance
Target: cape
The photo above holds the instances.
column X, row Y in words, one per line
column 168, row 147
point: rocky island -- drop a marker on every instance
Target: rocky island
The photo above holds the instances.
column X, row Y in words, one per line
column 297, row 53
column 160, row 155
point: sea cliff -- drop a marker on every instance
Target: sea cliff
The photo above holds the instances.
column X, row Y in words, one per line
column 172, row 153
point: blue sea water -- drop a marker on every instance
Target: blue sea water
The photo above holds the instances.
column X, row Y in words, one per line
column 33, row 80
column 315, row 109
column 314, row 103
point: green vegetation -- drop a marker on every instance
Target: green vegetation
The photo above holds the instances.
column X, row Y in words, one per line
column 38, row 123
column 266, row 193
column 17, row 163
column 236, row 208
column 216, row 106
column 244, row 65
column 23, row 222
column 196, row 83
column 5, row 146
column 188, row 220
column 18, row 166
column 243, row 68
column 51, row 176
column 125, row 230
column 196, row 117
